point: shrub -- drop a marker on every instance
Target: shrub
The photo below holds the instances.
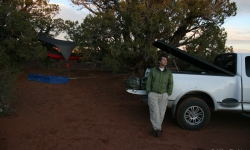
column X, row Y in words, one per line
column 8, row 75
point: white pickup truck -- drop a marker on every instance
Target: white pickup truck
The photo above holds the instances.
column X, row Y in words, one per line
column 223, row 85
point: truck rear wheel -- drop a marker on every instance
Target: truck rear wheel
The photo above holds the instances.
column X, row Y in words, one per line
column 193, row 114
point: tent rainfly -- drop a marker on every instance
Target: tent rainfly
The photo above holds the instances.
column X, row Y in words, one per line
column 65, row 47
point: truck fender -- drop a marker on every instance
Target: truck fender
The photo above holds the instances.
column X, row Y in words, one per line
column 179, row 97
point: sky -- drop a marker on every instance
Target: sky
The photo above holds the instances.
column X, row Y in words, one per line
column 237, row 27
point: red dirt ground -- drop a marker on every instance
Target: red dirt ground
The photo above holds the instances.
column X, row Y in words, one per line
column 95, row 112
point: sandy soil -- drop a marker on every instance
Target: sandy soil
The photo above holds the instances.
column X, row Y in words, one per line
column 94, row 111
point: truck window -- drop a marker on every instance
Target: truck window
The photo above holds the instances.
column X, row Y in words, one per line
column 226, row 61
column 247, row 62
column 177, row 65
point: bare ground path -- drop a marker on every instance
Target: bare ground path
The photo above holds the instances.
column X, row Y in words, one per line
column 95, row 112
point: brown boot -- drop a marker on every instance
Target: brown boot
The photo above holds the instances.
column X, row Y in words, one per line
column 158, row 133
column 154, row 133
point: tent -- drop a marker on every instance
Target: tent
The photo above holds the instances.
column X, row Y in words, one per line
column 65, row 47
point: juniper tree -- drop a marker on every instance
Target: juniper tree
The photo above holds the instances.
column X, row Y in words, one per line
column 122, row 32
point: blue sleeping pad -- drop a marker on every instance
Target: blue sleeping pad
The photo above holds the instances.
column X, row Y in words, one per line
column 48, row 79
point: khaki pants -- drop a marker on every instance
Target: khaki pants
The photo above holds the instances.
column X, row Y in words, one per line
column 157, row 108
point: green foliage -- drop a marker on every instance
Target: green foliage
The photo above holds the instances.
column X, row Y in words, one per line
column 48, row 27
column 73, row 30
column 8, row 75
column 210, row 43
column 18, row 38
column 20, row 24
column 122, row 31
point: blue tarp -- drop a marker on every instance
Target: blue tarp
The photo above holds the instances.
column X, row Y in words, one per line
column 48, row 79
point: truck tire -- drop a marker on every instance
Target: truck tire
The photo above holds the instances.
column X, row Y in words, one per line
column 193, row 114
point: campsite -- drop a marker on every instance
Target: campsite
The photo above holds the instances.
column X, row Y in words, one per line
column 44, row 41
column 93, row 111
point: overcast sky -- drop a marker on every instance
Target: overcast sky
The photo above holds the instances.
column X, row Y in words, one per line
column 238, row 27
